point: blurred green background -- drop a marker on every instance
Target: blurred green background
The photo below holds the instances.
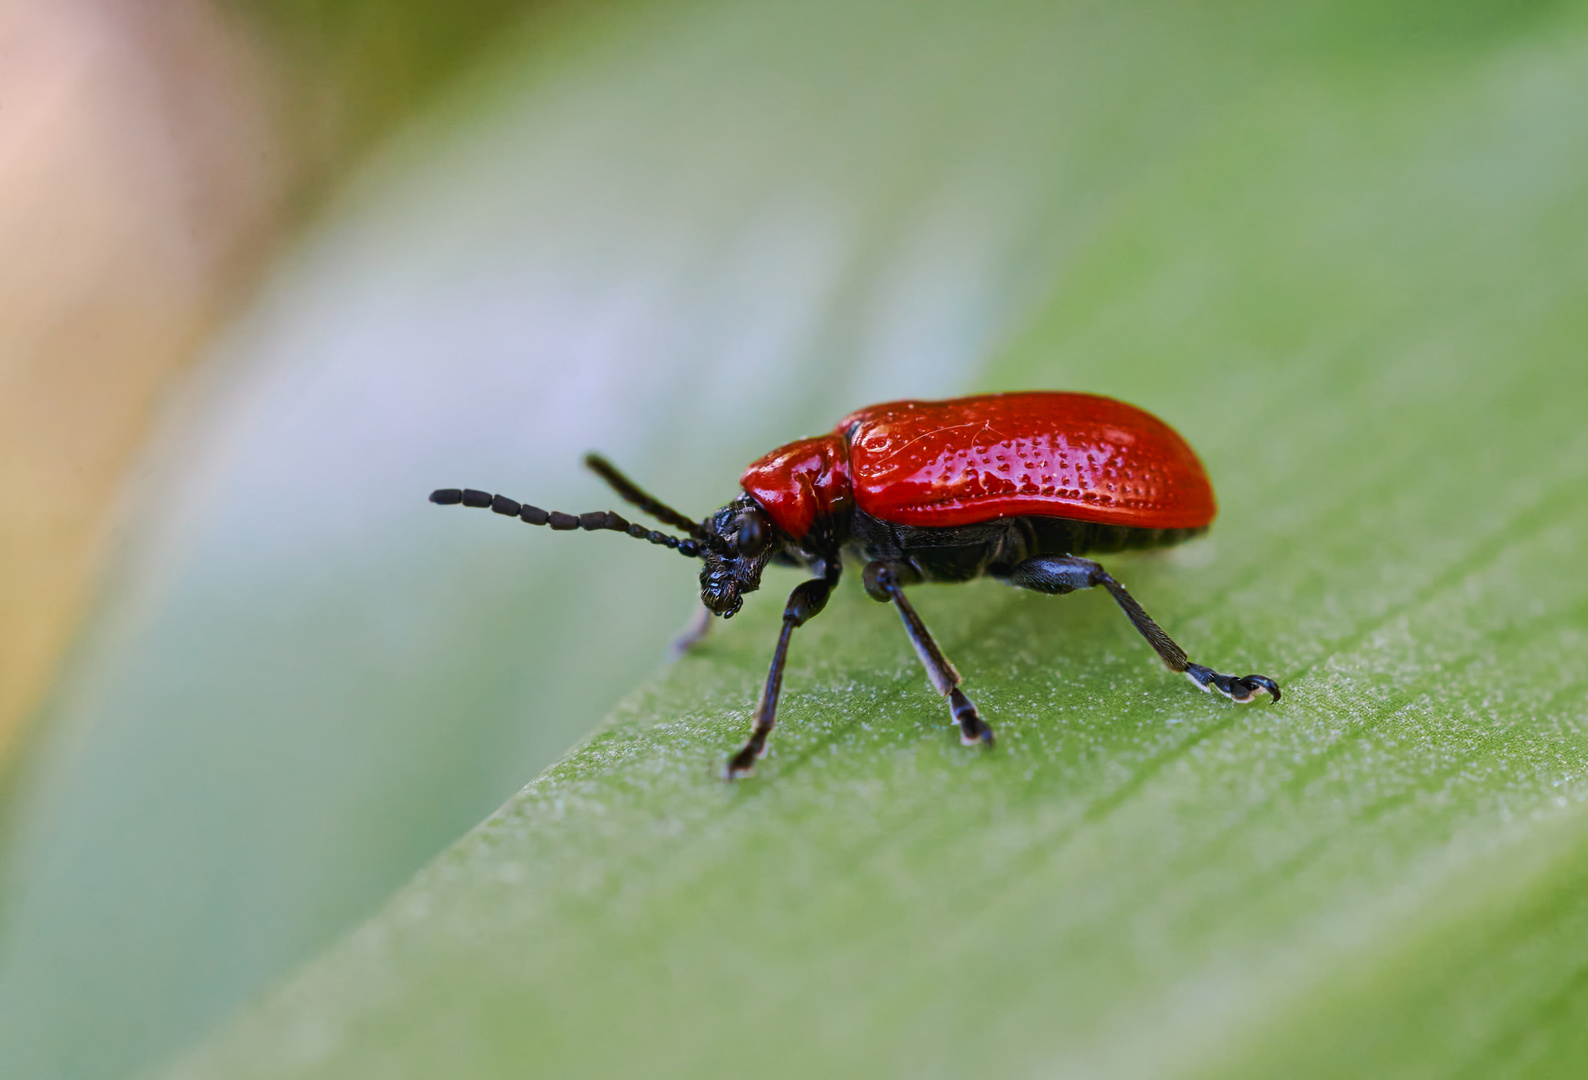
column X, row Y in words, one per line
column 1343, row 248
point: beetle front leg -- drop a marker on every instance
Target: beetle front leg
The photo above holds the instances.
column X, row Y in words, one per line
column 1059, row 574
column 807, row 599
column 883, row 583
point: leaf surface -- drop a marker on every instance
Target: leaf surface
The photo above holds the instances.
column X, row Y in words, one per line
column 1353, row 278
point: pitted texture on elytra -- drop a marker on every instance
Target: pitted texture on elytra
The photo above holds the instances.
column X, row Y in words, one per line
column 998, row 455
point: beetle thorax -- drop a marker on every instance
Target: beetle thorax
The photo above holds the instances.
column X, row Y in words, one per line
column 803, row 486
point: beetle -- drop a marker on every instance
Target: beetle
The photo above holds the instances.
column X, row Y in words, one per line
column 1014, row 486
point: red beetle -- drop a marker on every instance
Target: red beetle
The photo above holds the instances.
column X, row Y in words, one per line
column 1014, row 486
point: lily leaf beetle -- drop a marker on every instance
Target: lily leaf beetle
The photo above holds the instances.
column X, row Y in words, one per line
column 1015, row 487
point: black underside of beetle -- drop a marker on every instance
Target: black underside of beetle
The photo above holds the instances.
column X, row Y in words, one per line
column 992, row 548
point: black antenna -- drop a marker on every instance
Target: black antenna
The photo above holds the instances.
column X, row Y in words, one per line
column 632, row 493
column 534, row 515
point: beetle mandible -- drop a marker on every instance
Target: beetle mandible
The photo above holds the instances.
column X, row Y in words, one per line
column 1011, row 486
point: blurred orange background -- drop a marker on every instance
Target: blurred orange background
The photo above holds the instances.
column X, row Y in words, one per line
column 152, row 156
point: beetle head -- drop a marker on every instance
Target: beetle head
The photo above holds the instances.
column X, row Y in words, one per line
column 733, row 567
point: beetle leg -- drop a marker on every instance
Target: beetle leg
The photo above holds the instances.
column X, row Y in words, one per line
column 1059, row 574
column 693, row 632
column 807, row 599
column 882, row 582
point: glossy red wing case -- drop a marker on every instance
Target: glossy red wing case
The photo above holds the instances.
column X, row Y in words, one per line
column 973, row 459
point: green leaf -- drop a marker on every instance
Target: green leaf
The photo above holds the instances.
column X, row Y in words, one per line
column 1342, row 250
column 1358, row 290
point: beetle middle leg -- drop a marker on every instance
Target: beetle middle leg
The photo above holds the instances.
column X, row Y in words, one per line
column 1058, row 574
column 883, row 582
column 804, row 603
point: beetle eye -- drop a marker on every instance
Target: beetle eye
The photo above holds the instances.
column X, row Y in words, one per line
column 752, row 534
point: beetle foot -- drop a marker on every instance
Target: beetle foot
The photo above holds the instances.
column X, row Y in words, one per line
column 973, row 730
column 741, row 764
column 1236, row 689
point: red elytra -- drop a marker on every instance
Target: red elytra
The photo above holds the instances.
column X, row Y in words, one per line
column 974, row 459
column 1014, row 487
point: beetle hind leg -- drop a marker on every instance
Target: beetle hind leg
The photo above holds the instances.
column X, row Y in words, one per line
column 882, row 583
column 1059, row 574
